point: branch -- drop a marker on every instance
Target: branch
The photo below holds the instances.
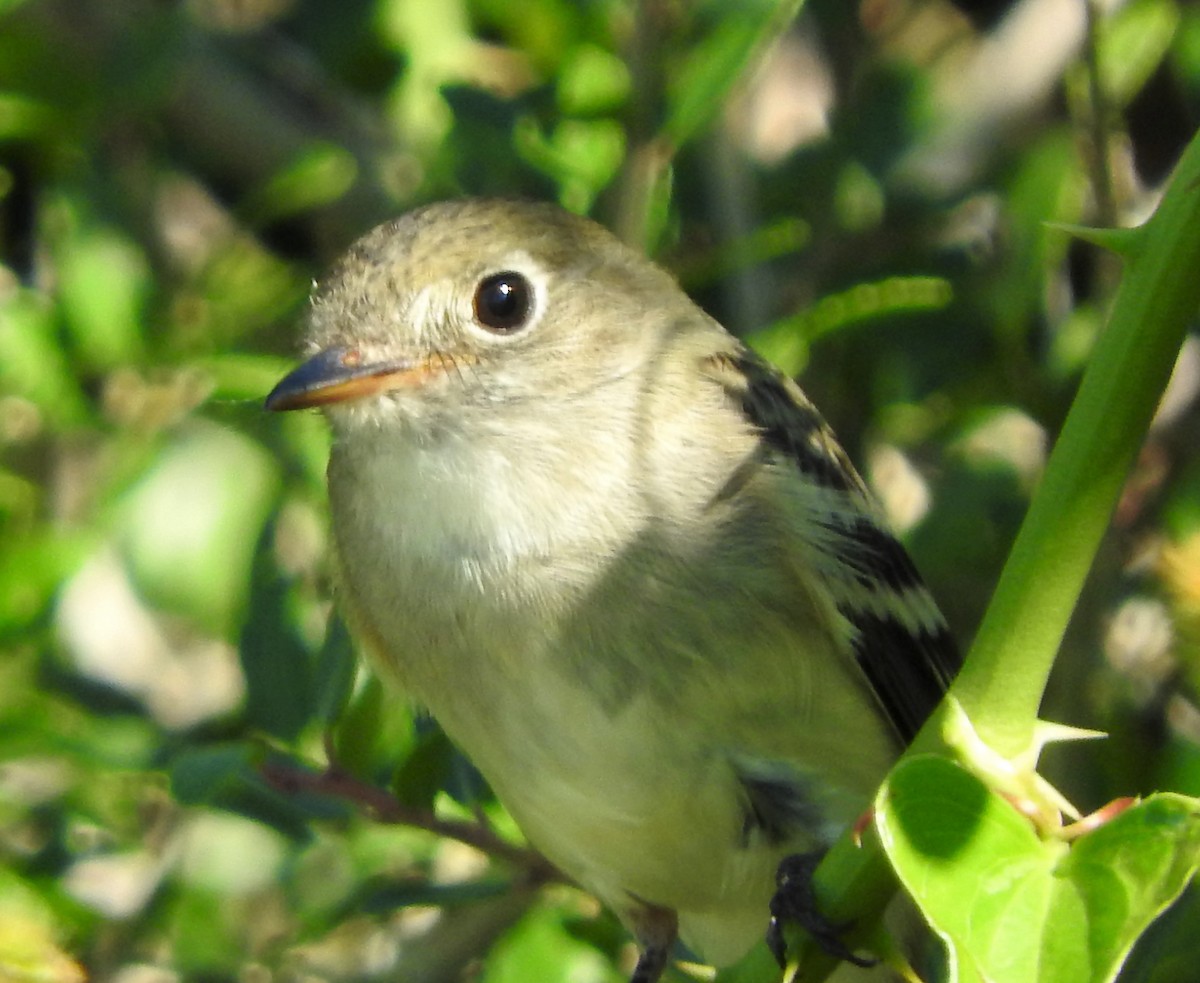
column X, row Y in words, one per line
column 383, row 807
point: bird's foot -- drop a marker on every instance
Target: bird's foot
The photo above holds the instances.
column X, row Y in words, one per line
column 656, row 930
column 796, row 901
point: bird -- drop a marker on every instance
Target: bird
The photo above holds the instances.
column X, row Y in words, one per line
column 620, row 558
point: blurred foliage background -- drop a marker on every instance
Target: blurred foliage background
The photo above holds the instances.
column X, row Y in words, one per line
column 862, row 190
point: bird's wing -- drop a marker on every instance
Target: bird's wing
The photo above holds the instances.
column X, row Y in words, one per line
column 898, row 636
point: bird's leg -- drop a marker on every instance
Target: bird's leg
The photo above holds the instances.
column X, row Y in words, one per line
column 796, row 901
column 655, row 930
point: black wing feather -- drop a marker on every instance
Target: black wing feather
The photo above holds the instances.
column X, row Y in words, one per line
column 900, row 641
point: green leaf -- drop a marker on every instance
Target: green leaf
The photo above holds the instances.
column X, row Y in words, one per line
column 104, row 284
column 374, row 731
column 32, row 570
column 1013, row 907
column 321, row 174
column 238, row 376
column 333, row 679
column 785, row 343
column 32, row 361
column 30, row 937
column 717, row 63
column 391, row 895
column 280, row 696
column 190, row 526
column 426, row 771
column 581, row 156
column 757, row 966
column 1133, row 44
column 710, row 70
column 1123, row 242
column 540, row 948
column 21, row 116
column 226, row 776
column 591, row 81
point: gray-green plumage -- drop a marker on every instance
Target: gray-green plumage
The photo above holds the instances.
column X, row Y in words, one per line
column 622, row 560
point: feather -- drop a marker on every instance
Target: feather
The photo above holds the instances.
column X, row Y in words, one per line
column 897, row 635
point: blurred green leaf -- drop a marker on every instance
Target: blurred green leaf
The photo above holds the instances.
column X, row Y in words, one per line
column 393, row 895
column 582, row 156
column 30, row 938
column 539, row 948
column 545, row 29
column 1133, row 43
column 718, row 61
column 785, row 342
column 32, row 361
column 210, row 940
column 337, row 665
column 32, row 567
column 426, row 770
column 104, row 285
column 374, row 731
column 243, row 288
column 22, row 117
column 858, row 198
column 436, row 40
column 772, row 240
column 320, row 175
column 189, row 528
column 226, row 776
column 278, row 665
column 239, row 376
column 592, row 81
column 710, row 68
column 1187, row 47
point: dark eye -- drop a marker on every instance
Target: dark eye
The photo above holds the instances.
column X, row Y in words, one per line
column 503, row 301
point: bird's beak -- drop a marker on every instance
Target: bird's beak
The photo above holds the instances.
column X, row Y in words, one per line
column 339, row 374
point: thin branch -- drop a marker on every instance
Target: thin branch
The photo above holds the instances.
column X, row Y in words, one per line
column 383, row 807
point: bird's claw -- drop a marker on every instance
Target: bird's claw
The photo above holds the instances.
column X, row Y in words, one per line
column 796, row 901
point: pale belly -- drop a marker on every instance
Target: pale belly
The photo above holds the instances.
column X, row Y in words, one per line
column 640, row 802
column 612, row 703
column 630, row 808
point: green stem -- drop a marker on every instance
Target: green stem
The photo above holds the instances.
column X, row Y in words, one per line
column 1001, row 684
column 726, row 60
column 1005, row 673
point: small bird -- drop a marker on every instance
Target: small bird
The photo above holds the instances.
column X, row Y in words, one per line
column 619, row 557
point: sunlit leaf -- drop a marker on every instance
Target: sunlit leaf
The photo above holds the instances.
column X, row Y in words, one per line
column 1013, row 907
column 190, row 527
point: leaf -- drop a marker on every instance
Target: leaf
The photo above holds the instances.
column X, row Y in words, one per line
column 333, row 676
column 1132, row 46
column 280, row 693
column 188, row 528
column 426, row 771
column 390, row 895
column 372, row 731
column 319, row 175
column 786, row 341
column 30, row 950
column 104, row 283
column 32, row 361
column 540, row 948
column 1013, row 907
column 226, row 776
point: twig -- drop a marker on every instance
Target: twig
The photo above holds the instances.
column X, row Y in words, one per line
column 381, row 806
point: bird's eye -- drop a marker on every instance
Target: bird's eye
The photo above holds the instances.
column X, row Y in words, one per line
column 503, row 302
